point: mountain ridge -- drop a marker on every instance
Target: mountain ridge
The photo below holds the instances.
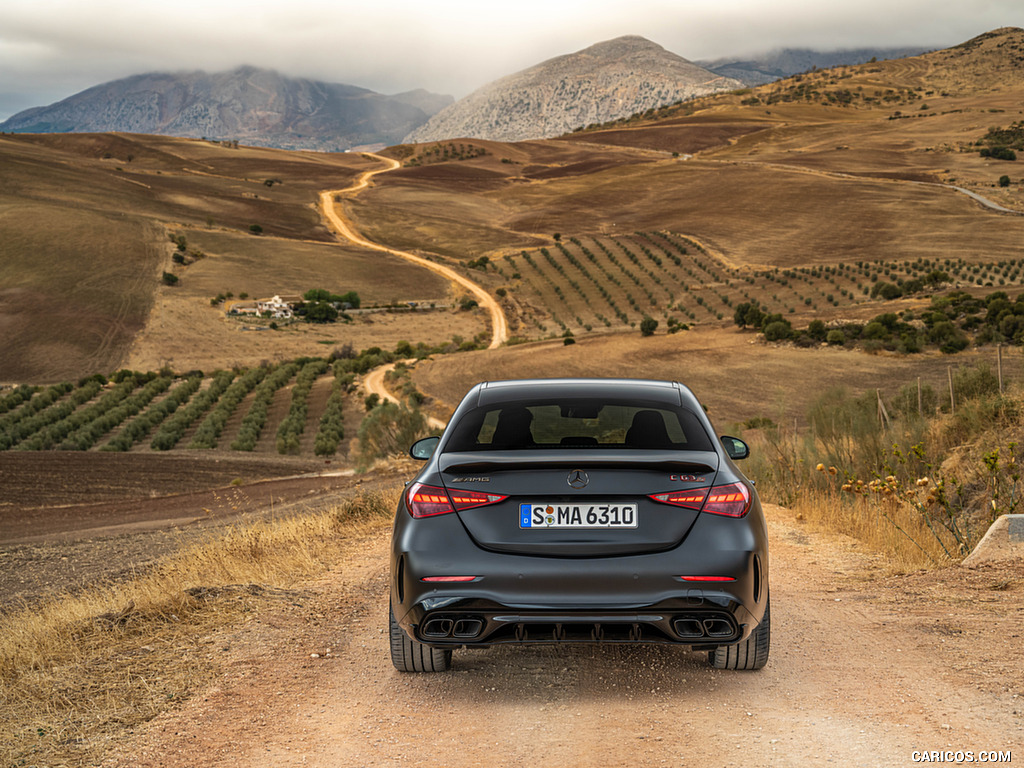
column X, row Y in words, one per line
column 250, row 104
column 777, row 64
column 610, row 79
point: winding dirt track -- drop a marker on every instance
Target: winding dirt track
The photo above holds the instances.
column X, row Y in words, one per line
column 499, row 326
column 373, row 383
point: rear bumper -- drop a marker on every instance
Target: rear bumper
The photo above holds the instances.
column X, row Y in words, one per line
column 530, row 599
column 685, row 621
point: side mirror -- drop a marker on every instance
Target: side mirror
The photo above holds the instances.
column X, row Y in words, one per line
column 735, row 447
column 423, row 449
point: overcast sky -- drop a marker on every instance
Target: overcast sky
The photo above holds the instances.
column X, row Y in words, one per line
column 51, row 49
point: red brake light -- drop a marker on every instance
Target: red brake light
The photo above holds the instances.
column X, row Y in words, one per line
column 427, row 500
column 690, row 499
column 467, row 499
column 731, row 500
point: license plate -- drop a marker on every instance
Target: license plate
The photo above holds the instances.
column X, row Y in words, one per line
column 599, row 515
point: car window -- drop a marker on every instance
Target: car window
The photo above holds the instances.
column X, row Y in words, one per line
column 579, row 424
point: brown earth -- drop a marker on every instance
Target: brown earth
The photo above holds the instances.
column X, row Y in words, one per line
column 68, row 519
column 736, row 375
column 865, row 669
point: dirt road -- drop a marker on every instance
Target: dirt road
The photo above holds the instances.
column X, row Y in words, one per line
column 373, row 384
column 499, row 326
column 864, row 672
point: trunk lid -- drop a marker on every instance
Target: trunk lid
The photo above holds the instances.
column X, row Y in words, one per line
column 610, row 485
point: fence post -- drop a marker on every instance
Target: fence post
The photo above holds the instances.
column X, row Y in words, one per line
column 952, row 402
column 999, row 365
column 883, row 415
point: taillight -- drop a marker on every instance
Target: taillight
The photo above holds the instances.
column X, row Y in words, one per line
column 731, row 500
column 691, row 499
column 427, row 500
column 467, row 499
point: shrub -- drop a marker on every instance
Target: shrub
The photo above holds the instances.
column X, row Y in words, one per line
column 387, row 430
column 648, row 325
column 836, row 338
column 887, row 291
column 778, row 330
column 169, row 278
column 999, row 153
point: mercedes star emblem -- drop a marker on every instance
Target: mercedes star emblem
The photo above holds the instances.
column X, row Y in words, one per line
column 578, row 478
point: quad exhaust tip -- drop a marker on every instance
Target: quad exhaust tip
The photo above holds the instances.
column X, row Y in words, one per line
column 453, row 628
column 697, row 628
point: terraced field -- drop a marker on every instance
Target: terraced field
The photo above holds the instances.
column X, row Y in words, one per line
column 298, row 408
column 607, row 282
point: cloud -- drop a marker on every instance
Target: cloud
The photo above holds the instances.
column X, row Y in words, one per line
column 50, row 49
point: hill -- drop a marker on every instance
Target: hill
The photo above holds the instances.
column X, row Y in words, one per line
column 87, row 221
column 790, row 61
column 255, row 106
column 612, row 79
column 801, row 194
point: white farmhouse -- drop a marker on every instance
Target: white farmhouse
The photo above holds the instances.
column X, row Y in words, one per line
column 276, row 306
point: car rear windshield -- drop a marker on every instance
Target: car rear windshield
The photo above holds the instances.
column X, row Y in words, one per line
column 579, row 424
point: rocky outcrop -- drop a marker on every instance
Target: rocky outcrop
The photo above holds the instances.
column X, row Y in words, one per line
column 606, row 81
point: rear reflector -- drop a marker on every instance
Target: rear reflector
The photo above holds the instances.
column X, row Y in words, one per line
column 427, row 500
column 449, row 578
column 731, row 500
column 706, row 578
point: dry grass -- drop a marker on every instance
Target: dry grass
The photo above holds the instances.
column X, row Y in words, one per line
column 735, row 375
column 80, row 670
column 85, row 219
column 894, row 530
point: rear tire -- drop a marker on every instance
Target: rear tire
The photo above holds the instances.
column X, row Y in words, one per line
column 752, row 653
column 411, row 656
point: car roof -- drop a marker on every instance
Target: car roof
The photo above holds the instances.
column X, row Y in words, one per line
column 667, row 392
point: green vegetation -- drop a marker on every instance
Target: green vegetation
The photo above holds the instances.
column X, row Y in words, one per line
column 388, row 429
column 951, row 323
column 331, row 429
column 211, row 427
column 1000, row 143
column 173, row 429
column 253, row 421
column 142, row 425
column 115, row 415
column 881, row 470
column 443, row 153
column 291, row 429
